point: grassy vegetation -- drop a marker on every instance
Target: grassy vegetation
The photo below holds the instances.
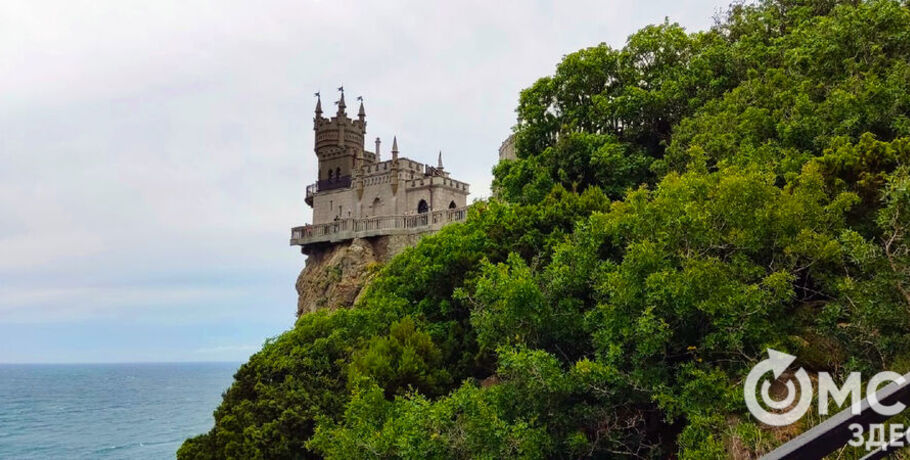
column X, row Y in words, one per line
column 678, row 206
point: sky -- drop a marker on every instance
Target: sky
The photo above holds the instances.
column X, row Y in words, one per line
column 154, row 155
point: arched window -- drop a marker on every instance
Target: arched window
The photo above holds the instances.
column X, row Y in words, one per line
column 374, row 209
column 452, row 205
column 338, row 173
column 422, row 207
column 330, row 175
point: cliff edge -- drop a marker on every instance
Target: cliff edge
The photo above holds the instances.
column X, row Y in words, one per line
column 335, row 275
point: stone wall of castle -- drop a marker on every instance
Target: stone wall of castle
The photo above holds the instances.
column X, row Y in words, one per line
column 379, row 199
column 507, row 149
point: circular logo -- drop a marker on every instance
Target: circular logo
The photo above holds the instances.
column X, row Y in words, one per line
column 777, row 363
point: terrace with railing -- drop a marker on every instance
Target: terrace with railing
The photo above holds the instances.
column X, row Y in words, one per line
column 347, row 229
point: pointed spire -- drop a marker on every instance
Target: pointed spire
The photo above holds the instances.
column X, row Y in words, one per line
column 362, row 113
column 395, row 166
column 439, row 161
column 341, row 104
column 318, row 104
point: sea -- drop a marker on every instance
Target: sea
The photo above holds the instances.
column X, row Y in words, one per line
column 106, row 411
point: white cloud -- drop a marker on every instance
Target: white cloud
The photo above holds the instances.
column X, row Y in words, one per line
column 141, row 139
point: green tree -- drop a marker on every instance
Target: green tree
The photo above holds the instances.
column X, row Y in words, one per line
column 677, row 206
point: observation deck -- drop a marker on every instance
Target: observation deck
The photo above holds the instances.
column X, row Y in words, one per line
column 348, row 229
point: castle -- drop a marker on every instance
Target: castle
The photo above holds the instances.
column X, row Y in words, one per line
column 357, row 194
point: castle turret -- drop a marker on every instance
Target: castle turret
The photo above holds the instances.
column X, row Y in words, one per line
column 361, row 121
column 339, row 145
column 342, row 118
column 394, row 178
column 340, row 103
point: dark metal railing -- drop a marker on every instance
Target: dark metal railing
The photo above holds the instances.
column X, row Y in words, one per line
column 332, row 184
column 328, row 184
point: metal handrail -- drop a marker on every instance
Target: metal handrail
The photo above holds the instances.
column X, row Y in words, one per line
column 328, row 184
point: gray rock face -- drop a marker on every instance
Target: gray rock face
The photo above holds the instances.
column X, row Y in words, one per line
column 335, row 276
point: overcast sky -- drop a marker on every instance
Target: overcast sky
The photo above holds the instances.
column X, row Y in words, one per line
column 154, row 155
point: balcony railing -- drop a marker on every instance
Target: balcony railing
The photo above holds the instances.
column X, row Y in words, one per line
column 326, row 185
column 346, row 229
column 332, row 184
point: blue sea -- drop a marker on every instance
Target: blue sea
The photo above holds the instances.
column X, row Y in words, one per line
column 97, row 411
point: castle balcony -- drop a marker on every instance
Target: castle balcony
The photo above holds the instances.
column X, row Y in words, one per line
column 348, row 229
column 310, row 192
column 326, row 185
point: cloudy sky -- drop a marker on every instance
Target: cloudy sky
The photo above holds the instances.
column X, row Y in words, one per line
column 153, row 155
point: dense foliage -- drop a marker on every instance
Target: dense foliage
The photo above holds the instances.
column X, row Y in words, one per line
column 678, row 206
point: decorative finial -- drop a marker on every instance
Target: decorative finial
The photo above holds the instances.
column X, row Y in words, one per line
column 377, row 149
column 361, row 113
column 318, row 103
column 439, row 161
column 341, row 105
column 395, row 147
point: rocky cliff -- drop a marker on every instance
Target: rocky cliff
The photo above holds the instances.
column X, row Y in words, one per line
column 335, row 275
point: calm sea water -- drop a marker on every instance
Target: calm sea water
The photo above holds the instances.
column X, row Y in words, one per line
column 106, row 410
